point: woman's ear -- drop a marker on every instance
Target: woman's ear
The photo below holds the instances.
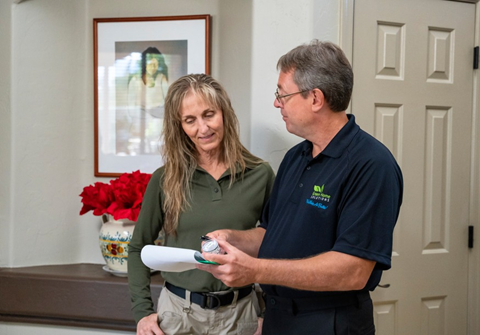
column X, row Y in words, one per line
column 318, row 100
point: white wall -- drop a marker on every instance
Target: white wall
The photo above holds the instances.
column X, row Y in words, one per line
column 278, row 27
column 5, row 132
column 46, row 109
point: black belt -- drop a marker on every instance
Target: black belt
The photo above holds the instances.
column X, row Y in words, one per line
column 340, row 299
column 209, row 300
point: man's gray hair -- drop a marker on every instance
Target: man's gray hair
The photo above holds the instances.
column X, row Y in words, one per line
column 321, row 65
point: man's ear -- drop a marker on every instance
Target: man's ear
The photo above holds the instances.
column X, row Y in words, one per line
column 318, row 100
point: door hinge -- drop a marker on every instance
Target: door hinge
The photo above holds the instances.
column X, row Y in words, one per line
column 475, row 57
column 470, row 237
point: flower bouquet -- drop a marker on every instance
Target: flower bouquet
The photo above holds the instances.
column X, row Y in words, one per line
column 122, row 197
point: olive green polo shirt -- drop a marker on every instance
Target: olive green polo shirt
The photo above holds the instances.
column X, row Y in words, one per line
column 214, row 205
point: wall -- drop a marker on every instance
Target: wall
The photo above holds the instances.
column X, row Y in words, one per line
column 46, row 109
column 5, row 132
column 280, row 26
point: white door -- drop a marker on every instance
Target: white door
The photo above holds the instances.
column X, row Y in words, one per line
column 413, row 65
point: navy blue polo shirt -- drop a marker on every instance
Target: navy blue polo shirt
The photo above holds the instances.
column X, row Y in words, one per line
column 346, row 199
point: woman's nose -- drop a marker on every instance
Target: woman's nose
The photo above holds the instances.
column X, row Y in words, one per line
column 203, row 126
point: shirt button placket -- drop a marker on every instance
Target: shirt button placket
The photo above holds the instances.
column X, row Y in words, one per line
column 216, row 191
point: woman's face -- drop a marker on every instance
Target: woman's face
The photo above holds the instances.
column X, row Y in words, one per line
column 152, row 66
column 202, row 123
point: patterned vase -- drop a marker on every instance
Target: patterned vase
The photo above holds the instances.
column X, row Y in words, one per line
column 115, row 235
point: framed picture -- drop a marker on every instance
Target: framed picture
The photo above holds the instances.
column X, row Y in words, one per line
column 135, row 60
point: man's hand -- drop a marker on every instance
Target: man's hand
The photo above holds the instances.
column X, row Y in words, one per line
column 221, row 234
column 236, row 268
column 247, row 241
column 149, row 325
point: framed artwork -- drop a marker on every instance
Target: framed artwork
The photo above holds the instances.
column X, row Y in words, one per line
column 135, row 60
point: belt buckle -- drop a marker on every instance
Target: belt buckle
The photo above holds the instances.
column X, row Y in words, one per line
column 209, row 300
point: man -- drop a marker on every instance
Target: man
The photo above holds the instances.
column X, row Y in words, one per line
column 326, row 234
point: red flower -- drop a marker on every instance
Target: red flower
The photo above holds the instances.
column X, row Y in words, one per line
column 96, row 198
column 122, row 198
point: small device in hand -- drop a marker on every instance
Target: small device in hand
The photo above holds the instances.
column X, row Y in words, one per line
column 211, row 246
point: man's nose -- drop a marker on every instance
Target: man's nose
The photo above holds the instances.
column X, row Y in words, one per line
column 276, row 103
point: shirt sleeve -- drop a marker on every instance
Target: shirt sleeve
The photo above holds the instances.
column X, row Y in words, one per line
column 369, row 211
column 273, row 189
column 268, row 191
column 147, row 228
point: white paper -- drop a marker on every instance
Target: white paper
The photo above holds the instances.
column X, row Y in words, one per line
column 169, row 259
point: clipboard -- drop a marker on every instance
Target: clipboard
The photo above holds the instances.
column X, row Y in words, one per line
column 171, row 259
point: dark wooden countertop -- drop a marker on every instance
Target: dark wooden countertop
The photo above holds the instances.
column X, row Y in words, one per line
column 79, row 295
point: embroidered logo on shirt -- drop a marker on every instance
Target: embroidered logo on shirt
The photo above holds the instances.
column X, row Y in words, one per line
column 318, row 197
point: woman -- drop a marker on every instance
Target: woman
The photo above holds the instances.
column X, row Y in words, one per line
column 209, row 181
column 146, row 91
column 146, row 100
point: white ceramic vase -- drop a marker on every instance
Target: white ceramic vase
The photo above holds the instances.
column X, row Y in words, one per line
column 114, row 238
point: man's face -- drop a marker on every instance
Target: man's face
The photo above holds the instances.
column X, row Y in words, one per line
column 294, row 108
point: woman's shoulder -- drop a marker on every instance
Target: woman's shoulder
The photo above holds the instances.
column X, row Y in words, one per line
column 266, row 166
column 263, row 168
column 158, row 173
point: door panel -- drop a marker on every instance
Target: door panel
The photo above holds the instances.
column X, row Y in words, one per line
column 412, row 61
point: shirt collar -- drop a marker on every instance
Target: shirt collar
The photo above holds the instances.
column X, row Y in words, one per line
column 339, row 143
column 226, row 174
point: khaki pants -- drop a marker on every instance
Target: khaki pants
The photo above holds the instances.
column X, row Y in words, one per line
column 180, row 316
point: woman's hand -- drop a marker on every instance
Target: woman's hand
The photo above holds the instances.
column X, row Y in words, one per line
column 149, row 325
column 259, row 328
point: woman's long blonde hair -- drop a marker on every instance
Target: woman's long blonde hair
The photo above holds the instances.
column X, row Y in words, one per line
column 179, row 152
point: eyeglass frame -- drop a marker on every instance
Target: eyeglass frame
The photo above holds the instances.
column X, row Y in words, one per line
column 278, row 96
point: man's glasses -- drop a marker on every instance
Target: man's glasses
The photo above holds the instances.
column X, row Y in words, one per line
column 278, row 96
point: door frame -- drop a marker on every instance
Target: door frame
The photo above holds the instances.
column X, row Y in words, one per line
column 474, row 254
column 346, row 43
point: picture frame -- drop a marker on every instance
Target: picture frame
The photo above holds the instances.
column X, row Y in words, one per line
column 135, row 60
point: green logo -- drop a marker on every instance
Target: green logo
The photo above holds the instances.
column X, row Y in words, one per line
column 318, row 192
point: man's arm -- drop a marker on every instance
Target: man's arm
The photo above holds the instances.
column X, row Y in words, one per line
column 330, row 271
